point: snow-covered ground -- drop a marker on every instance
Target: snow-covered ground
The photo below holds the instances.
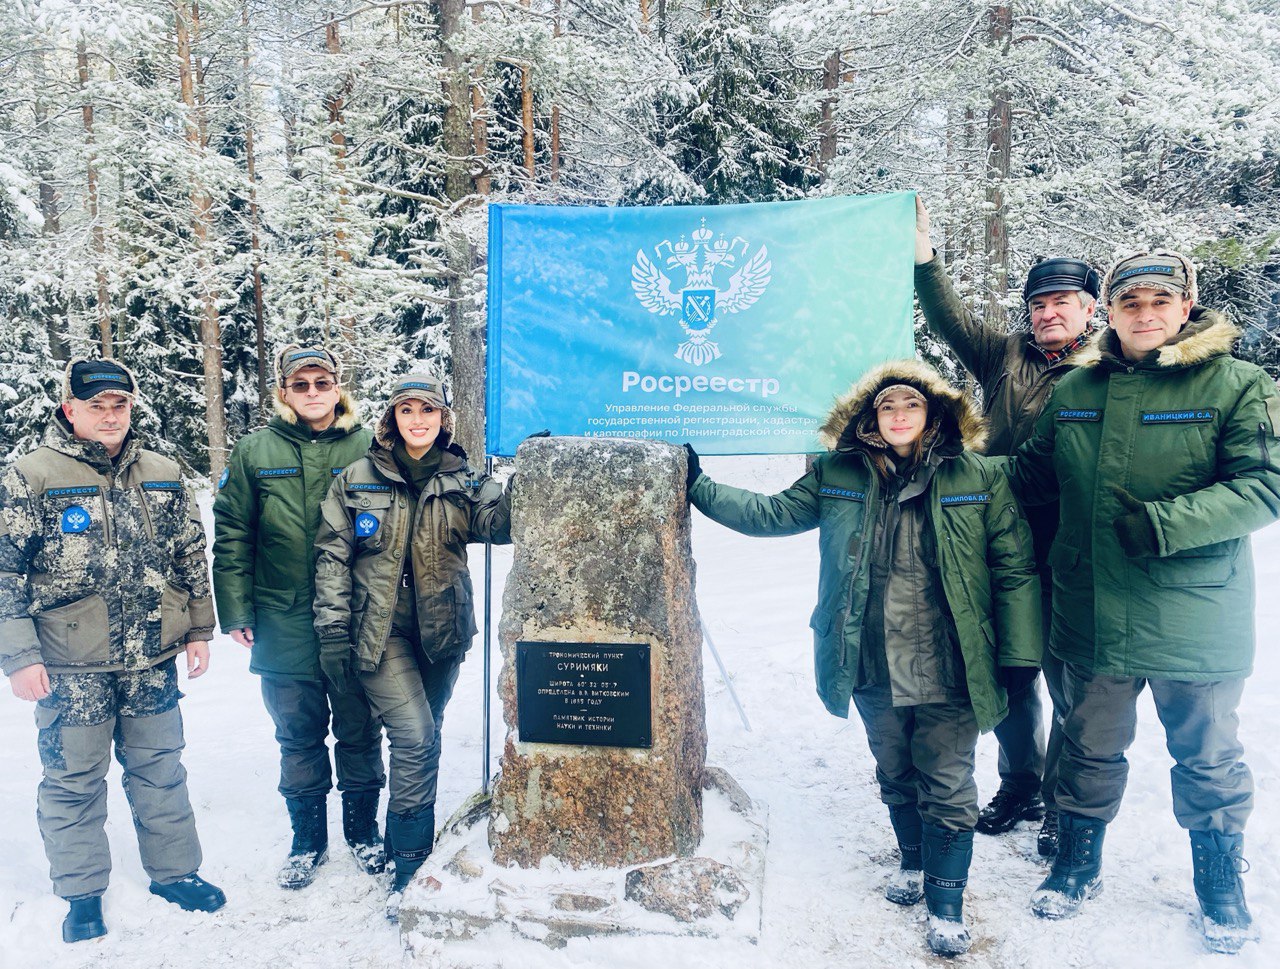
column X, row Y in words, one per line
column 830, row 842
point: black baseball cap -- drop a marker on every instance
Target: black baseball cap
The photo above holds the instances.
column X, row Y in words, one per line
column 87, row 379
column 1060, row 275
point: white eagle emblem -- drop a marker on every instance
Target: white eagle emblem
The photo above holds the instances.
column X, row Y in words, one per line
column 700, row 302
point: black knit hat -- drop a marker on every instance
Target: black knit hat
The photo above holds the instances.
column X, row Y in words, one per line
column 1061, row 275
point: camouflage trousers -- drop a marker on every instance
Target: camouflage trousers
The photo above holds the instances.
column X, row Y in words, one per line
column 79, row 723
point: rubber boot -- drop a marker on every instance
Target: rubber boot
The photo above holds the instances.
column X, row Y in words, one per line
column 412, row 837
column 191, row 893
column 310, row 850
column 360, row 828
column 906, row 886
column 84, row 920
column 946, row 856
column 1077, row 868
column 1218, row 863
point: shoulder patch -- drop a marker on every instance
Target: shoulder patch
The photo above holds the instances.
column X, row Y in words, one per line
column 164, row 485
column 335, row 471
column 971, row 498
column 279, row 472
column 75, row 520
column 366, row 524
column 68, row 492
column 1078, row 414
column 1195, row 415
column 367, row 486
column 831, row 491
column 222, row 478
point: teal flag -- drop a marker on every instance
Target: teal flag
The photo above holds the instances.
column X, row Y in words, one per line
column 731, row 327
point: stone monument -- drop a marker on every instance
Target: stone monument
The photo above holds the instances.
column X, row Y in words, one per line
column 603, row 768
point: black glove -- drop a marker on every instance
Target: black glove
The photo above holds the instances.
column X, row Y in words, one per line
column 1134, row 530
column 695, row 466
column 1015, row 679
column 335, row 660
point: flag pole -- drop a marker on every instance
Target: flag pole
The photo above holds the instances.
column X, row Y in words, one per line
column 488, row 662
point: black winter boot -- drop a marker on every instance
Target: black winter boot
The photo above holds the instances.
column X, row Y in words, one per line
column 1047, row 839
column 1219, row 862
column 1006, row 809
column 310, row 819
column 412, row 837
column 84, row 920
column 906, row 884
column 191, row 893
column 1077, row 868
column 360, row 828
column 946, row 857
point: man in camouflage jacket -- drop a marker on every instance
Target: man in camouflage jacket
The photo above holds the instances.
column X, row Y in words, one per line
column 103, row 582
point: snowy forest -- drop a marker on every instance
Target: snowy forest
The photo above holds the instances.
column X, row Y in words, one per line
column 185, row 184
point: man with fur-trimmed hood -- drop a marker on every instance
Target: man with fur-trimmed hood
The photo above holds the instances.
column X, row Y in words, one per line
column 103, row 584
column 1162, row 450
column 266, row 515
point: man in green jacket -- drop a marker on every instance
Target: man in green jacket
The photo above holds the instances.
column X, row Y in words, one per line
column 1162, row 449
column 266, row 515
column 1017, row 371
column 103, row 584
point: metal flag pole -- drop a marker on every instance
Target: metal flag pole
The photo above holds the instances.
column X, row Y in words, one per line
column 488, row 662
column 724, row 675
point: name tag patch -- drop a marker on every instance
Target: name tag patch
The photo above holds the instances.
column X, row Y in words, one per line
column 66, row 492
column 75, row 520
column 279, row 472
column 830, row 491
column 162, row 485
column 973, row 498
column 1197, row 415
column 366, row 524
column 1078, row 414
column 367, row 486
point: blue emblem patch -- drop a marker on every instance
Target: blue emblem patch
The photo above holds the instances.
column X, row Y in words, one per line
column 222, row 478
column 830, row 491
column 699, row 308
column 75, row 520
column 366, row 524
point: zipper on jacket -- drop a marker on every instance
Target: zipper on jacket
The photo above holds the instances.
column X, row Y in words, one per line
column 1262, row 445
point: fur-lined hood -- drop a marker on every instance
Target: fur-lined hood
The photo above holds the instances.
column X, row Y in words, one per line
column 953, row 416
column 1207, row 334
column 345, row 414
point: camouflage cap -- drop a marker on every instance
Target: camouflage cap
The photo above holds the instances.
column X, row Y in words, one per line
column 89, row 379
column 296, row 357
column 426, row 387
column 1151, row 269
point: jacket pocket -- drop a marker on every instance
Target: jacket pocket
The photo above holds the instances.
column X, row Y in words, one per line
column 175, row 617
column 274, row 600
column 77, row 634
column 820, row 621
column 1063, row 557
column 1200, row 569
column 464, row 613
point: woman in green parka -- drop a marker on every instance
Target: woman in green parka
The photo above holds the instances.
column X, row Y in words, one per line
column 928, row 606
column 393, row 606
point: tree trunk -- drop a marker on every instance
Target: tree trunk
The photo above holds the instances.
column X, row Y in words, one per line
column 255, row 219
column 999, row 141
column 555, row 108
column 97, row 233
column 188, row 27
column 479, row 121
column 466, row 337
column 827, row 126
column 336, row 102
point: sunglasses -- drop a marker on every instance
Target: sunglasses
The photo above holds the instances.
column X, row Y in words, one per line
column 322, row 386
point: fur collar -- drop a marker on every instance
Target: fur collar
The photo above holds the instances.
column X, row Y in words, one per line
column 1208, row 334
column 960, row 420
column 345, row 414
